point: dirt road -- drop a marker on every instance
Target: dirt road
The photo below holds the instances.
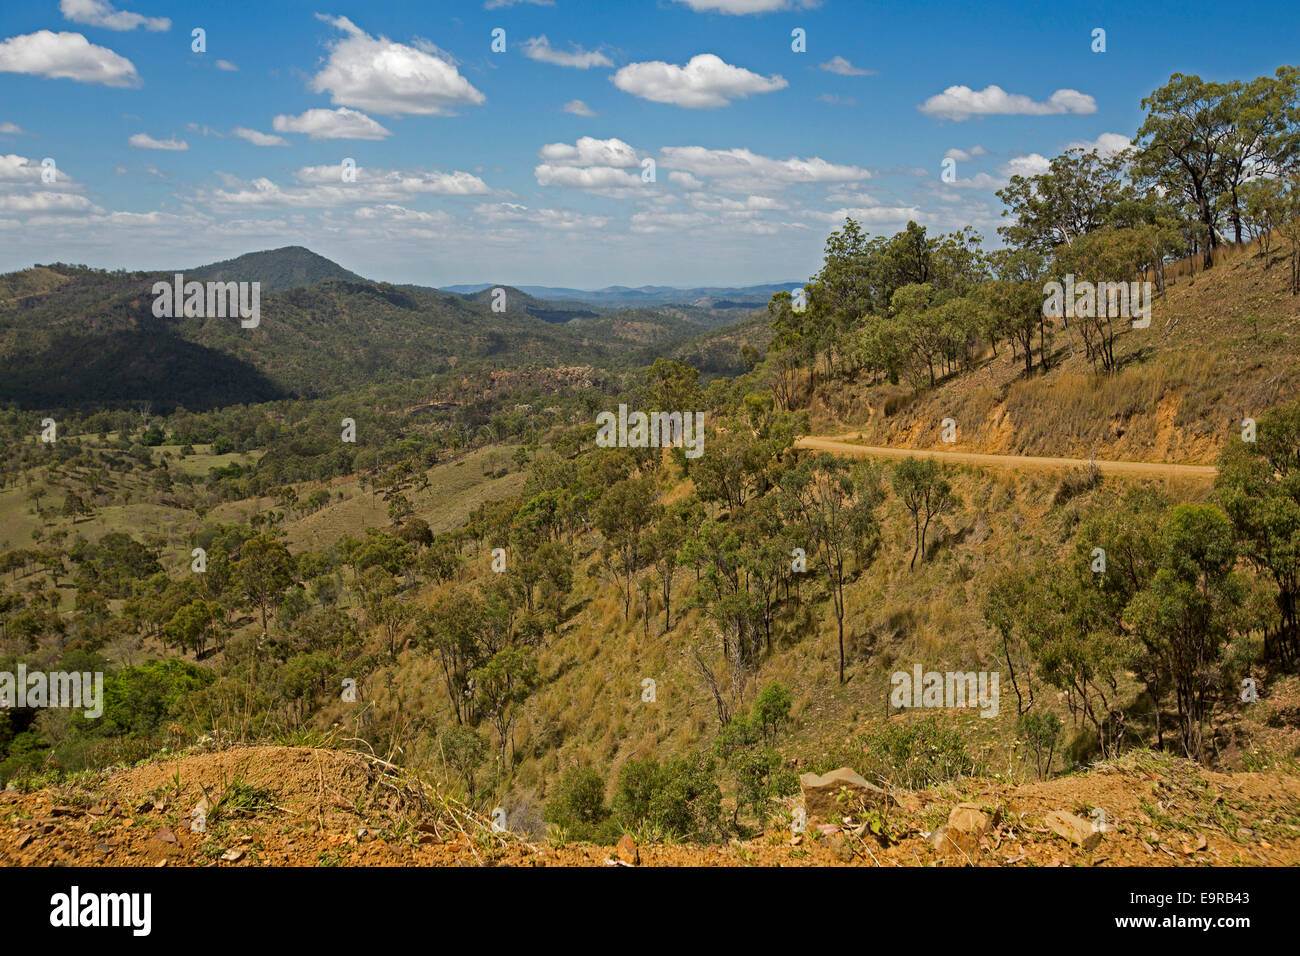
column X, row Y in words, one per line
column 843, row 445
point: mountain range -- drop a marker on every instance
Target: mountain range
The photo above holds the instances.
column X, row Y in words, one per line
column 72, row 336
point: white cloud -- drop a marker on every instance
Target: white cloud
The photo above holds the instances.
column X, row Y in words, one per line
column 10, row 129
column 341, row 123
column 259, row 139
column 578, row 108
column 837, row 100
column 390, row 78
column 98, row 13
column 749, row 205
column 706, row 82
column 656, row 221
column 596, row 164
column 539, row 48
column 1107, row 144
column 145, row 141
column 979, row 181
column 589, row 151
column 227, row 66
column 837, row 64
column 1030, row 165
column 740, row 169
column 685, row 180
column 66, row 56
column 391, row 212
column 42, row 200
column 510, row 212
column 586, row 177
column 961, row 103
column 20, row 169
column 499, row 4
column 871, row 215
column 323, row 186
column 740, row 8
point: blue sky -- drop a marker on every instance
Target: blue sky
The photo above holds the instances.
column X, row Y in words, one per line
column 526, row 166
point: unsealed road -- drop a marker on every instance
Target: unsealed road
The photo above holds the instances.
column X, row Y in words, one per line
column 842, row 446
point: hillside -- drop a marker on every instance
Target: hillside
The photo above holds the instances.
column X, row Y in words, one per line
column 76, row 337
column 1221, row 347
column 277, row 269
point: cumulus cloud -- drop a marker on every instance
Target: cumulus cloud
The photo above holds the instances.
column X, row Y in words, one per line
column 962, row 102
column 391, row 78
column 589, row 151
column 391, row 212
column 21, row 169
column 44, row 201
column 259, row 139
column 1107, row 144
column 964, row 155
column 578, row 108
column 145, row 141
column 10, row 129
column 97, row 13
column 750, row 205
column 66, row 56
column 870, row 215
column 979, row 181
column 837, row 64
column 595, row 164
column 539, row 48
column 654, row 220
column 511, row 212
column 586, row 177
column 1031, row 165
column 323, row 186
column 740, row 169
column 706, row 82
column 341, row 123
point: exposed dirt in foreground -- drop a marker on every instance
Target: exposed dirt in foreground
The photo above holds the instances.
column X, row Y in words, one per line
column 297, row 806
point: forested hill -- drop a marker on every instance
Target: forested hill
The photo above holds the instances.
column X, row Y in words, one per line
column 289, row 267
column 71, row 336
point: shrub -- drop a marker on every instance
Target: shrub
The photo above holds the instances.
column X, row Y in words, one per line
column 578, row 804
column 1040, row 731
column 918, row 754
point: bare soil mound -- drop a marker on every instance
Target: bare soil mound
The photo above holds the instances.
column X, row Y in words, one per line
column 299, row 806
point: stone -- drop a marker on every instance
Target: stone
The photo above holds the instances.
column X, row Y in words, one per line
column 840, row 847
column 969, row 818
column 821, row 794
column 627, row 850
column 960, row 843
column 1075, row 829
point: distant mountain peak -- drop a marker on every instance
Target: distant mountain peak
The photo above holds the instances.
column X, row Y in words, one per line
column 288, row 267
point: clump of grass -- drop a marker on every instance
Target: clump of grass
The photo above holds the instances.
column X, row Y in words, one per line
column 1075, row 482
